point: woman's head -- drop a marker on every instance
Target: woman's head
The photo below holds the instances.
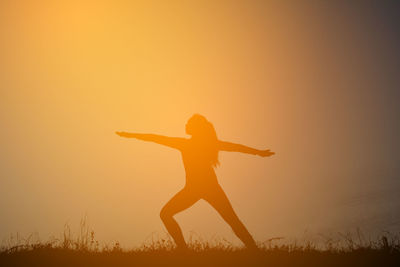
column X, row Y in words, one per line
column 203, row 130
column 199, row 126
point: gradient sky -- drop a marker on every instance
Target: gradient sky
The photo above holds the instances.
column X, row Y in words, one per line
column 315, row 81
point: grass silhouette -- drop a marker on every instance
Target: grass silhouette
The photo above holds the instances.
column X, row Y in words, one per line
column 85, row 250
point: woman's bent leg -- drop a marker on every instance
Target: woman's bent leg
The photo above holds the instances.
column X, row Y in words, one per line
column 218, row 199
column 181, row 201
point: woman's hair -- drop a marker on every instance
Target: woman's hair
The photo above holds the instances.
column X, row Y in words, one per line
column 200, row 128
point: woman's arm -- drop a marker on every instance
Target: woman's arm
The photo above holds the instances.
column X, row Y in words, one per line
column 228, row 146
column 174, row 142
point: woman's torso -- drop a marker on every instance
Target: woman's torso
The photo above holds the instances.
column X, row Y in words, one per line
column 198, row 166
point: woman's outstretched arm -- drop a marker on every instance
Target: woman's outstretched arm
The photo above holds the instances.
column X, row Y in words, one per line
column 228, row 146
column 174, row 142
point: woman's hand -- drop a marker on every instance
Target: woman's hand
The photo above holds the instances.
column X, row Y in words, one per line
column 265, row 153
column 123, row 134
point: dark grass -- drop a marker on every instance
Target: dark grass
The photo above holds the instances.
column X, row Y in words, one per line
column 84, row 250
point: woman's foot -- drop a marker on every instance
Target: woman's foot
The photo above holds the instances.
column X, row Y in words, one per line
column 182, row 248
column 252, row 247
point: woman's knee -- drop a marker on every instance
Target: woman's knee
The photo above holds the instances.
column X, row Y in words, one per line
column 165, row 214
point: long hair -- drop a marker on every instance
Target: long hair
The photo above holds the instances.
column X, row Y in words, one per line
column 201, row 129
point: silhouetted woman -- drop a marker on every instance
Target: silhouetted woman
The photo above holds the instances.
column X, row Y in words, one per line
column 200, row 156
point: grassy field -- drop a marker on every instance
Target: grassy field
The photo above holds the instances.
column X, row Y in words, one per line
column 84, row 250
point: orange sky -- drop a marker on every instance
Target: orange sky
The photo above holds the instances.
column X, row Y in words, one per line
column 315, row 83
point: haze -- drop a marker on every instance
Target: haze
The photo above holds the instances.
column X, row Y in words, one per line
column 316, row 82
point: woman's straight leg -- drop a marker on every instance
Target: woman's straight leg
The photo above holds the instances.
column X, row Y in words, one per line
column 218, row 199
